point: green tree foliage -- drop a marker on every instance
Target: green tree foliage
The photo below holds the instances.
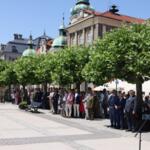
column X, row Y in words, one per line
column 8, row 75
column 99, row 69
column 123, row 53
column 69, row 64
column 131, row 48
column 44, row 68
column 60, row 76
column 2, row 68
column 25, row 70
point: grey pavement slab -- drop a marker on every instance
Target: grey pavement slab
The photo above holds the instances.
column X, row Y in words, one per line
column 20, row 130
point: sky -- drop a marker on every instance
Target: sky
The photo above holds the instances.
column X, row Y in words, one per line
column 35, row 16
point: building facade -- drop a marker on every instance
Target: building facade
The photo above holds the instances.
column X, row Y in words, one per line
column 86, row 25
column 14, row 49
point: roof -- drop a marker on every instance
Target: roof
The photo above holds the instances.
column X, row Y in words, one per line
column 22, row 44
column 20, row 41
column 116, row 16
column 44, row 36
column 38, row 40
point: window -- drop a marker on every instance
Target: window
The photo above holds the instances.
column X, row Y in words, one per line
column 100, row 30
column 80, row 38
column 104, row 29
column 14, row 49
column 73, row 39
column 88, row 35
column 109, row 28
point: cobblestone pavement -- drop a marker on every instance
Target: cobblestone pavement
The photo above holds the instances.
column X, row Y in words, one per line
column 21, row 130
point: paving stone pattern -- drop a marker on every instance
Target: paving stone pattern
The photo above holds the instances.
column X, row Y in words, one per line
column 25, row 130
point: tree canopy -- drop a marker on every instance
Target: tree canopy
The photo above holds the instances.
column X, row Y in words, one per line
column 69, row 65
column 122, row 53
column 25, row 70
column 2, row 68
column 44, row 68
column 8, row 75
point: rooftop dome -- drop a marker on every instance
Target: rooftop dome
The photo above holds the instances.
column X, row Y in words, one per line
column 59, row 42
column 30, row 51
column 83, row 1
column 81, row 5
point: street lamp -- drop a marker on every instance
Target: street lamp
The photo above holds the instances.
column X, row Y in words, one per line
column 117, row 82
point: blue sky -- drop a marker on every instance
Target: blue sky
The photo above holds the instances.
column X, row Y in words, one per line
column 35, row 16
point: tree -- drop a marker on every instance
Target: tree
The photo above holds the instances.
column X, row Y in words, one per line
column 123, row 53
column 9, row 76
column 25, row 71
column 2, row 68
column 99, row 69
column 61, row 75
column 69, row 65
column 44, row 69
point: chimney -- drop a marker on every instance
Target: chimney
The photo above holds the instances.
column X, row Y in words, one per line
column 15, row 36
column 20, row 36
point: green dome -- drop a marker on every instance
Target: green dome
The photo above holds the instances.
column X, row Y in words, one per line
column 61, row 41
column 81, row 5
column 83, row 1
column 62, row 27
column 29, row 52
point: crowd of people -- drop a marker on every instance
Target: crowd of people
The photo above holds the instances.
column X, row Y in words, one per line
column 119, row 107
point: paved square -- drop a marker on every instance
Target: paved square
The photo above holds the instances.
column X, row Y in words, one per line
column 117, row 144
column 21, row 130
column 47, row 146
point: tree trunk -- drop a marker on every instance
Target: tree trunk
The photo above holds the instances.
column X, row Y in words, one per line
column 78, row 86
column 24, row 93
column 86, row 86
column 45, row 87
column 9, row 91
column 139, row 94
column 44, row 99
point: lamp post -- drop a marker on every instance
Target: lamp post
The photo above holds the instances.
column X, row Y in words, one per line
column 117, row 82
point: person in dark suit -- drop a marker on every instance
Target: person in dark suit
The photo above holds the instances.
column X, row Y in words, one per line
column 113, row 103
column 105, row 103
column 130, row 109
column 55, row 101
column 121, row 108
